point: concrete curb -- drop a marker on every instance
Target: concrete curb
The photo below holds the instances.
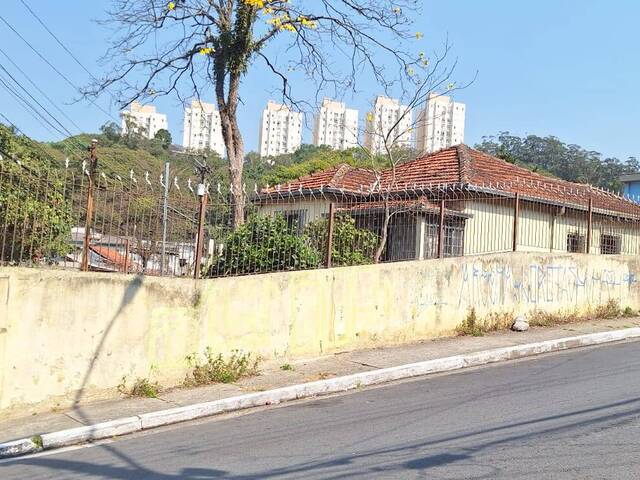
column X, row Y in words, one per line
column 147, row 421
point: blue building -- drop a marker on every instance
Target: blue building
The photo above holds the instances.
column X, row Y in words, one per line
column 631, row 185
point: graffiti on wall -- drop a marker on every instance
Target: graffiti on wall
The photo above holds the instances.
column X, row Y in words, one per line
column 501, row 284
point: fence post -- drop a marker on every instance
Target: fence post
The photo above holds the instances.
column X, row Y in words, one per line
column 589, row 225
column 202, row 193
column 516, row 221
column 441, row 231
column 126, row 256
column 330, row 234
column 93, row 164
column 165, row 213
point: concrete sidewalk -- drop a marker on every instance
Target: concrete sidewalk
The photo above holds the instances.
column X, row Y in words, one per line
column 272, row 376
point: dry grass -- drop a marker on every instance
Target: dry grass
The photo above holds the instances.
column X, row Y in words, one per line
column 474, row 326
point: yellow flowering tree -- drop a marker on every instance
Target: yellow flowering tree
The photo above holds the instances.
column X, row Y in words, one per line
column 189, row 48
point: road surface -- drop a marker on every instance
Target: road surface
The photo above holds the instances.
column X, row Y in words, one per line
column 572, row 415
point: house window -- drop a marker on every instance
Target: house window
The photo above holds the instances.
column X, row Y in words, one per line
column 295, row 220
column 575, row 243
column 453, row 240
column 609, row 244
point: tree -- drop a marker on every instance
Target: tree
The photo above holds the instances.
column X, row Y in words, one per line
column 35, row 216
column 186, row 47
column 387, row 144
column 164, row 137
column 550, row 156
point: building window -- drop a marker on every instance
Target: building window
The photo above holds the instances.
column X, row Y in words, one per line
column 295, row 220
column 575, row 243
column 609, row 244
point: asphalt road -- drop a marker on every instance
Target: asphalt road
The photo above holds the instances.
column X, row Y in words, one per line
column 573, row 415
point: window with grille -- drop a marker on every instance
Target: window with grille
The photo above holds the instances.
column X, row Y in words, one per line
column 609, row 244
column 575, row 243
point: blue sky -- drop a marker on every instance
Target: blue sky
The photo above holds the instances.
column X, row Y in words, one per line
column 563, row 67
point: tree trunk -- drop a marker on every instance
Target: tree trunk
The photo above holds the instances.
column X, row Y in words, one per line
column 232, row 138
column 236, row 166
column 385, row 232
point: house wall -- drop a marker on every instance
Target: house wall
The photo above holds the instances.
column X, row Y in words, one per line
column 315, row 208
column 67, row 335
column 490, row 228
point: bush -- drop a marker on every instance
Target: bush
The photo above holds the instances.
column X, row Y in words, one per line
column 351, row 245
column 215, row 369
column 263, row 244
column 142, row 387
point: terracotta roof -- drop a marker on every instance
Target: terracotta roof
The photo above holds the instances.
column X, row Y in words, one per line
column 342, row 176
column 461, row 166
column 111, row 256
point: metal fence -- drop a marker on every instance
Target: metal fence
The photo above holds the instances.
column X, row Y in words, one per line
column 76, row 217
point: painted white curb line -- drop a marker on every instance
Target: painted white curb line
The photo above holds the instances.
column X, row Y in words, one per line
column 322, row 387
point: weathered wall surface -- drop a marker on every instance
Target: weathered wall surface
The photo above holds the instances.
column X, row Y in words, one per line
column 67, row 335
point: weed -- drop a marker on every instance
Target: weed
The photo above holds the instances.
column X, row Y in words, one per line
column 470, row 325
column 539, row 318
column 37, row 441
column 287, row 367
column 324, row 375
column 629, row 312
column 142, row 387
column 609, row 310
column 215, row 369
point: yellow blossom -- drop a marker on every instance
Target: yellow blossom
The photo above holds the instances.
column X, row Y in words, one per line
column 207, row 50
column 419, row 35
column 171, row 5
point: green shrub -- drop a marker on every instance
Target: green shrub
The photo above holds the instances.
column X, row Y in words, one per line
column 263, row 244
column 351, row 245
column 215, row 369
column 142, row 387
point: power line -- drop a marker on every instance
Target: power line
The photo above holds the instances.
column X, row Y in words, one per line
column 35, row 100
column 65, row 131
column 40, row 90
column 62, row 75
column 30, row 109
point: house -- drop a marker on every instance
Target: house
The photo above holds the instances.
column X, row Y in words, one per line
column 487, row 205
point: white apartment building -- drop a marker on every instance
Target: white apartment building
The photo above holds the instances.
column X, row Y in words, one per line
column 336, row 126
column 387, row 112
column 440, row 124
column 280, row 130
column 144, row 119
column 202, row 128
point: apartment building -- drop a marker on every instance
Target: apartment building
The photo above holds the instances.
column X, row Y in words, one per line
column 143, row 119
column 336, row 126
column 440, row 124
column 388, row 116
column 202, row 128
column 280, row 130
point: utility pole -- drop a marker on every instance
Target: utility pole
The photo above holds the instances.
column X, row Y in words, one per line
column 203, row 170
column 165, row 213
column 93, row 165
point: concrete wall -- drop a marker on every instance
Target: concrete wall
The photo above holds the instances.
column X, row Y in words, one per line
column 67, row 335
